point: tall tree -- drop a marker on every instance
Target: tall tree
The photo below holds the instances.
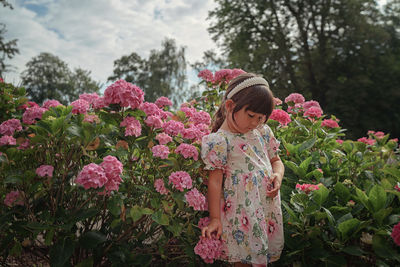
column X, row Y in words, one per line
column 8, row 49
column 325, row 49
column 48, row 77
column 162, row 74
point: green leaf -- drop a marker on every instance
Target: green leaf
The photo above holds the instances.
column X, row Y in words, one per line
column 160, row 218
column 380, row 215
column 176, row 229
column 86, row 262
column 304, row 165
column 296, row 169
column 392, row 171
column 92, row 239
column 291, row 212
column 147, row 211
column 307, row 144
column 342, row 192
column 321, row 194
column 345, row 228
column 49, row 237
column 136, row 213
column 382, row 247
column 377, row 197
column 331, row 219
column 348, row 146
column 61, row 253
column 362, row 197
column 38, row 226
column 353, row 250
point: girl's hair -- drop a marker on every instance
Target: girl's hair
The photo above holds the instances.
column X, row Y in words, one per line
column 256, row 98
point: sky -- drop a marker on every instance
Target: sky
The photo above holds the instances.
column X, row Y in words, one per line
column 91, row 34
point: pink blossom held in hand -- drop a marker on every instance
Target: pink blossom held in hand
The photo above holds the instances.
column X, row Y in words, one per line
column 51, row 103
column 10, row 126
column 163, row 138
column 329, row 123
column 295, row 98
column 313, row 112
column 196, row 200
column 366, row 141
column 201, row 117
column 31, row 114
column 206, row 75
column 7, row 140
column 396, row 234
column 160, row 187
column 124, row 93
column 80, row 106
column 281, row 116
column 13, row 198
column 163, row 102
column 91, row 176
column 187, row 151
column 180, row 180
column 154, row 122
column 160, row 151
column 113, row 169
column 307, row 188
column 44, row 170
column 209, row 249
column 173, row 127
column 133, row 126
column 203, row 222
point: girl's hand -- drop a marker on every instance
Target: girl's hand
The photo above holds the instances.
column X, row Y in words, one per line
column 274, row 185
column 214, row 226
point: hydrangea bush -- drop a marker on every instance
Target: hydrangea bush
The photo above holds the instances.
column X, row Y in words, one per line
column 116, row 180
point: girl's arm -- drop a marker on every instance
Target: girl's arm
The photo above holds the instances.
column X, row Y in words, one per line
column 278, row 169
column 214, row 202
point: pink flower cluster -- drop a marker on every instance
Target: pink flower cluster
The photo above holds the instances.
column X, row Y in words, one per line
column 196, row 200
column 51, row 103
column 33, row 113
column 173, row 128
column 160, row 151
column 187, row 151
column 7, row 140
column 163, row 138
column 133, row 126
column 180, row 180
column 295, row 98
column 160, row 187
column 91, row 118
column 209, row 249
column 329, row 123
column 378, row 134
column 206, row 75
column 220, row 76
column 397, row 187
column 10, row 126
column 154, row 121
column 367, row 141
column 106, row 174
column 200, row 117
column 163, row 102
column 313, row 112
column 80, row 106
column 281, row 116
column 13, row 198
column 203, row 222
column 123, row 93
column 396, row 234
column 44, row 170
column 307, row 188
column 150, row 109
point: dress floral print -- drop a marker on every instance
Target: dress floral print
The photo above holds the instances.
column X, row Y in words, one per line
column 252, row 222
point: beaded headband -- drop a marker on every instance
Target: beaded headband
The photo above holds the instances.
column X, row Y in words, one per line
column 247, row 83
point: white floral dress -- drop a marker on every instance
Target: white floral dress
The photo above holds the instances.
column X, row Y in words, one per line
column 252, row 228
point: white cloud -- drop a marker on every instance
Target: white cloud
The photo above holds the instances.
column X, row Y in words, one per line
column 92, row 34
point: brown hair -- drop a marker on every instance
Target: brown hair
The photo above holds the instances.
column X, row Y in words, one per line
column 256, row 98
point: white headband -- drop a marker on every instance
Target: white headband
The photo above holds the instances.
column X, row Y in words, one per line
column 246, row 83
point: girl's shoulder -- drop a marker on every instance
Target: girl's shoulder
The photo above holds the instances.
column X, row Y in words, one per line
column 217, row 137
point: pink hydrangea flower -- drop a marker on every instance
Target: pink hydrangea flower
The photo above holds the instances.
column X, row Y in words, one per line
column 10, row 126
column 7, row 140
column 277, row 101
column 206, row 75
column 203, row 222
column 309, row 104
column 24, row 145
column 133, row 126
column 99, row 103
column 173, row 128
column 295, row 109
column 80, row 106
column 90, row 98
column 329, row 123
column 222, row 75
column 13, row 198
column 92, row 176
column 188, row 110
column 150, row 109
column 163, row 138
column 396, row 234
column 339, row 141
column 163, row 102
column 51, row 103
column 187, row 151
column 307, row 188
column 154, row 121
column 397, row 187
column 180, row 180
column 113, row 169
column 234, row 73
column 366, row 141
column 44, row 170
column 91, row 118
column 313, row 112
column 192, row 133
column 160, row 187
column 33, row 113
column 160, row 151
column 123, row 93
column 209, row 249
column 296, row 98
column 379, row 135
column 281, row 116
column 196, row 200
column 201, row 117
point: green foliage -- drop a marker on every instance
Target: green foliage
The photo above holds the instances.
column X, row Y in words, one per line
column 8, row 49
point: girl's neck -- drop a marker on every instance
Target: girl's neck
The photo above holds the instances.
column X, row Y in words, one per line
column 229, row 126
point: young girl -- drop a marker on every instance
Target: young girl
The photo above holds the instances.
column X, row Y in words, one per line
column 245, row 175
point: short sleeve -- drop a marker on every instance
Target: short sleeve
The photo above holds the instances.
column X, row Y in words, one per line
column 271, row 143
column 214, row 151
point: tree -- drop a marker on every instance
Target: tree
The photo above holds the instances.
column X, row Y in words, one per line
column 162, row 74
column 8, row 49
column 48, row 77
column 325, row 49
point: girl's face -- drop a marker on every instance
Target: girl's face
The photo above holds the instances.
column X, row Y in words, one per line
column 244, row 120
